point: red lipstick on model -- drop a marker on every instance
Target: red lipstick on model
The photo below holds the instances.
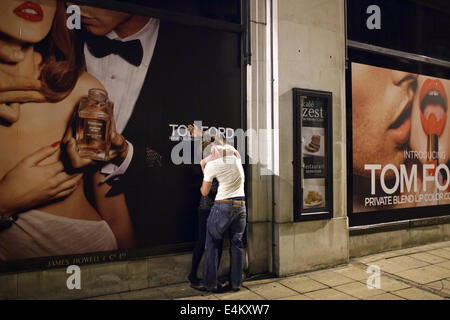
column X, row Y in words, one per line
column 30, row 11
column 433, row 107
column 433, row 115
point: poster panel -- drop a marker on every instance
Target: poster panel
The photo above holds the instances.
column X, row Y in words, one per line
column 312, row 153
column 400, row 140
column 159, row 77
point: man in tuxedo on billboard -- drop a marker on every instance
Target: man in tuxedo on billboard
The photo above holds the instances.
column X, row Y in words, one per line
column 158, row 75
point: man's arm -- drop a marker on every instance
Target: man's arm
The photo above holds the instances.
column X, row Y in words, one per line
column 206, row 187
column 113, row 171
column 205, row 161
column 208, row 176
column 120, row 155
column 113, row 209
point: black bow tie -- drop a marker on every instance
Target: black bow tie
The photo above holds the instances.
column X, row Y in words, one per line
column 102, row 46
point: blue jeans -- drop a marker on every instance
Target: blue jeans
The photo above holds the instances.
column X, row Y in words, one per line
column 224, row 217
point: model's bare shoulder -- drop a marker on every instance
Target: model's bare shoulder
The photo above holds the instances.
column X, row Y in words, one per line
column 84, row 84
column 81, row 89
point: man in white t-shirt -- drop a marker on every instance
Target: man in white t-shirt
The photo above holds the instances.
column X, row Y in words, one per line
column 227, row 213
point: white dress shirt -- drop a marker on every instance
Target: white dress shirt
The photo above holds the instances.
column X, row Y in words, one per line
column 123, row 82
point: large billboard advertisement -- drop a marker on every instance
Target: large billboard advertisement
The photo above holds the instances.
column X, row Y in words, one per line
column 400, row 140
column 120, row 88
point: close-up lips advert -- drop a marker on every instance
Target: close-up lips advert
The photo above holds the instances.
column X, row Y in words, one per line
column 433, row 106
column 30, row 11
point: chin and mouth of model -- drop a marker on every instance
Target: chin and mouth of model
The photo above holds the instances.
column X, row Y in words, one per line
column 401, row 127
column 89, row 21
column 30, row 11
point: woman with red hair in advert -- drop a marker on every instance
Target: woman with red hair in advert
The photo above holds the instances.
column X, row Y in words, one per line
column 48, row 208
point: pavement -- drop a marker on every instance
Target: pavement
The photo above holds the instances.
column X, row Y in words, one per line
column 418, row 273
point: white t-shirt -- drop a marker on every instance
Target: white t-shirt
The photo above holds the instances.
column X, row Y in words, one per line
column 229, row 173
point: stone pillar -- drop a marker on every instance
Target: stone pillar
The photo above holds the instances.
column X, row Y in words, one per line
column 310, row 38
column 259, row 179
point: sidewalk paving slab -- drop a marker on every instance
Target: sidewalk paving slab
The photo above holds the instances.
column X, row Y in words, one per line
column 243, row 294
column 437, row 271
column 180, row 291
column 272, row 290
column 250, row 283
column 388, row 254
column 419, row 273
column 384, row 296
column 416, row 294
column 433, row 246
column 425, row 275
column 389, row 266
column 354, row 273
column 407, row 262
column 388, row 284
column 358, row 290
column 371, row 258
column 206, row 297
column 445, row 265
column 303, row 284
column 427, row 257
column 330, row 278
column 329, row 294
column 110, row 297
column 145, row 294
column 441, row 253
column 441, row 244
column 394, row 253
column 442, row 286
column 297, row 297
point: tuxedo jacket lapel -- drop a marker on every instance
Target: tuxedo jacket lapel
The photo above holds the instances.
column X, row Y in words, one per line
column 159, row 195
column 144, row 128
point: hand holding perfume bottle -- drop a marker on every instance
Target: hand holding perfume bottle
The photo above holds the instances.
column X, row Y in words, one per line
column 93, row 136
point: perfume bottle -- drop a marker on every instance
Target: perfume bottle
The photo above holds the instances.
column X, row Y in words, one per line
column 94, row 125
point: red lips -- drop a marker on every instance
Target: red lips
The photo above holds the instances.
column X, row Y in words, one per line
column 433, row 99
column 430, row 85
column 30, row 11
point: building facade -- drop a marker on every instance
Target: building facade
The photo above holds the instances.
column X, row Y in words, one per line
column 294, row 55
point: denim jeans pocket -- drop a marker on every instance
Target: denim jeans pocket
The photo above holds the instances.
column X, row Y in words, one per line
column 218, row 222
